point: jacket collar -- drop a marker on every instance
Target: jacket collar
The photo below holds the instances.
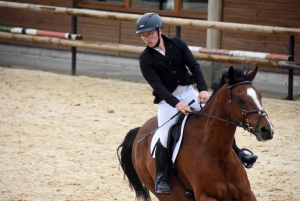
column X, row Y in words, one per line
column 158, row 55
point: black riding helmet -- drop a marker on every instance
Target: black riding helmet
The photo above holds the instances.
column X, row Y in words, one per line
column 148, row 22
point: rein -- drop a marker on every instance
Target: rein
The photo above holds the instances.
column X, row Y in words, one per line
column 244, row 125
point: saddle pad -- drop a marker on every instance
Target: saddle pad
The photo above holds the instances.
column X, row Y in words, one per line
column 177, row 146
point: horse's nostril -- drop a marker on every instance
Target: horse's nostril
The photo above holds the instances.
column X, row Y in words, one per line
column 267, row 132
column 264, row 129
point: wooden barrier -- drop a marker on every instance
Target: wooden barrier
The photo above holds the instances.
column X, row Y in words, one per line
column 167, row 20
column 292, row 32
column 238, row 53
column 289, row 64
column 39, row 32
column 131, row 49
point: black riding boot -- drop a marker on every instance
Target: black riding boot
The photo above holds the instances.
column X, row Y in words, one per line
column 163, row 181
column 248, row 160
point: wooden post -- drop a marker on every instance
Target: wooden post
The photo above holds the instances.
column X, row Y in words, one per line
column 213, row 35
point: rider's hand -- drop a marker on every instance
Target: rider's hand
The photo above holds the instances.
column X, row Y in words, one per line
column 183, row 107
column 203, row 97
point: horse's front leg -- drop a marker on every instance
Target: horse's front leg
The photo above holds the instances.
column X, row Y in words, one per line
column 252, row 197
column 248, row 197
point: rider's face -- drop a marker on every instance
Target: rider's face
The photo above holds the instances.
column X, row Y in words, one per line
column 150, row 37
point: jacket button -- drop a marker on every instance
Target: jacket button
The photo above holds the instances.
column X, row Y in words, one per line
column 174, row 71
column 170, row 62
column 178, row 81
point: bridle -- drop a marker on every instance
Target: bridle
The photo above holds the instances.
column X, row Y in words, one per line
column 245, row 125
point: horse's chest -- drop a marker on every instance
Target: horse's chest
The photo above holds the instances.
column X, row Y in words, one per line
column 224, row 191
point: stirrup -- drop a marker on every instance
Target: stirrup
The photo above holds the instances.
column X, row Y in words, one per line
column 248, row 166
column 158, row 180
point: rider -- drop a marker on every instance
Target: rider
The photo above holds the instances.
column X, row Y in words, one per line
column 171, row 70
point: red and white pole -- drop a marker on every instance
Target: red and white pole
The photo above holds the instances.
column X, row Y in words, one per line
column 238, row 53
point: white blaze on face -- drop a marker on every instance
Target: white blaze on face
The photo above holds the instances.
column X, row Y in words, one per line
column 251, row 92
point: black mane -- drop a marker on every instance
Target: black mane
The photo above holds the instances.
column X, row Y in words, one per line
column 241, row 75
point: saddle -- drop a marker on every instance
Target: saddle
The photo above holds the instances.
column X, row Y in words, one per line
column 174, row 134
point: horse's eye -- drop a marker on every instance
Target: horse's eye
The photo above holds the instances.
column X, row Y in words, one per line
column 240, row 100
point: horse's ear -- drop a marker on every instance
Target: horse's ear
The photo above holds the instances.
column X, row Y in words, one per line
column 252, row 74
column 231, row 74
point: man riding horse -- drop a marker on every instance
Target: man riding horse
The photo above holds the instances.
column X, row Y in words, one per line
column 171, row 70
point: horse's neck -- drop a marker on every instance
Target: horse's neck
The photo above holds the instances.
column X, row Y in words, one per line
column 219, row 134
column 219, row 105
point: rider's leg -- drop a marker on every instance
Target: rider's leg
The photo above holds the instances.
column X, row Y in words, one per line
column 165, row 111
column 163, row 181
column 249, row 159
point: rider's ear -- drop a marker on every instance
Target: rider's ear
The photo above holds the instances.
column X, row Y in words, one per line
column 231, row 74
column 252, row 74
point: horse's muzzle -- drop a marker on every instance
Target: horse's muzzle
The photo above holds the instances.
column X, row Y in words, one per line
column 265, row 133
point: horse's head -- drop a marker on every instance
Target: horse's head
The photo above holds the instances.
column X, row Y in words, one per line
column 245, row 107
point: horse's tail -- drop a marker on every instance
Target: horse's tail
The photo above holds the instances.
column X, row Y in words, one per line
column 125, row 160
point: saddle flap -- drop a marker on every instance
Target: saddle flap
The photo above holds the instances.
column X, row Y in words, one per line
column 174, row 134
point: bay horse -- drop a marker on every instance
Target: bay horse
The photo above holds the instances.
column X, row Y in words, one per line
column 206, row 163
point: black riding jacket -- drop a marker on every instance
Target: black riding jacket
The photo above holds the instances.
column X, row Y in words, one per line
column 165, row 73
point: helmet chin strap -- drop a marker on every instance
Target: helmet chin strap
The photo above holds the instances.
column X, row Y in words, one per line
column 157, row 44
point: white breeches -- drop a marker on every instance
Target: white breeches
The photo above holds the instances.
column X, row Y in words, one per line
column 165, row 111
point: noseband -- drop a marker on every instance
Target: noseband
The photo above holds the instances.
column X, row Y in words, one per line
column 245, row 125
